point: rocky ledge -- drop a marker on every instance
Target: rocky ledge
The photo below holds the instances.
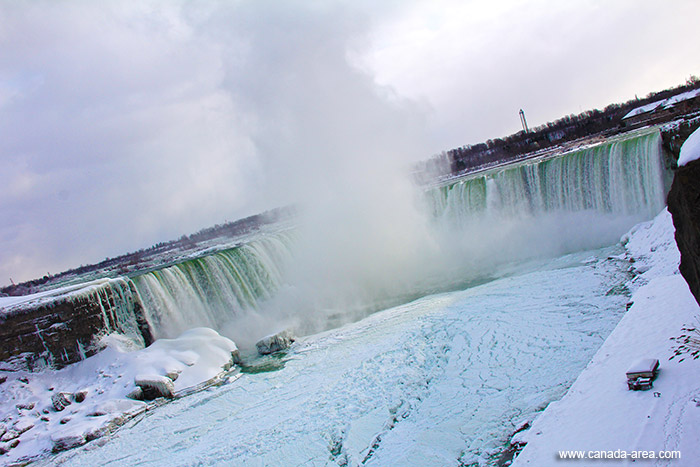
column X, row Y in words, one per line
column 684, row 204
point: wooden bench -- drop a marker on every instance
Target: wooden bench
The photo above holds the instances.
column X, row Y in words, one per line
column 642, row 374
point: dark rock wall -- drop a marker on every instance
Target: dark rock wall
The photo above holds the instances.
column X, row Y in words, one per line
column 684, row 205
column 65, row 329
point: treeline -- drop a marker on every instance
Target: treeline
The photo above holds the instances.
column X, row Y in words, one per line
column 135, row 261
column 571, row 127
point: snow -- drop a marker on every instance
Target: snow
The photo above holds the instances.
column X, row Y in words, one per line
column 31, row 404
column 643, row 366
column 10, row 304
column 652, row 245
column 684, row 96
column 690, row 150
column 664, row 103
column 599, row 413
column 643, row 109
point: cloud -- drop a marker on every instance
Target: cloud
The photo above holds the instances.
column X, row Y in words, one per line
column 119, row 133
column 477, row 63
column 130, row 123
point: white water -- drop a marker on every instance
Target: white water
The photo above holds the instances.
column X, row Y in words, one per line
column 548, row 207
column 212, row 290
column 622, row 176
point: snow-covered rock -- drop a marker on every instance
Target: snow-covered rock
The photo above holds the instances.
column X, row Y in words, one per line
column 690, row 151
column 652, row 248
column 56, row 410
column 69, row 439
column 80, row 395
column 154, row 386
column 60, row 400
column 275, row 342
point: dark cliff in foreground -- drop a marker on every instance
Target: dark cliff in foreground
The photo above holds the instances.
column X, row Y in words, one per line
column 684, row 205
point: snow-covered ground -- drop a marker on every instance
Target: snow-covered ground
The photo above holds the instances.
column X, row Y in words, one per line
column 599, row 413
column 55, row 410
column 8, row 304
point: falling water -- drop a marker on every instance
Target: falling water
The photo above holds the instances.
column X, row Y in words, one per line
column 211, row 290
column 623, row 177
column 545, row 206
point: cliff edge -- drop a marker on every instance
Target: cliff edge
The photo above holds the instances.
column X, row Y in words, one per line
column 684, row 204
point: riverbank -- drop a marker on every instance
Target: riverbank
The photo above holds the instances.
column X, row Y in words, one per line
column 599, row 413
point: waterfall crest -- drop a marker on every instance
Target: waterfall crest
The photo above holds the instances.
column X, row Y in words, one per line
column 622, row 177
column 211, row 290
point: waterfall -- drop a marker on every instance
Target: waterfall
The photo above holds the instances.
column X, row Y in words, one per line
column 121, row 309
column 622, row 177
column 540, row 208
column 211, row 290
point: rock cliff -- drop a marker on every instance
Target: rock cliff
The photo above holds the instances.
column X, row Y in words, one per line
column 684, row 204
column 62, row 328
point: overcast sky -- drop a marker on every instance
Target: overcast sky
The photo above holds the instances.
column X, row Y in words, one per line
column 125, row 123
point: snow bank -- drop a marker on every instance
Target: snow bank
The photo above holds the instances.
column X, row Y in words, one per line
column 58, row 410
column 663, row 103
column 8, row 304
column 690, row 150
column 652, row 247
column 599, row 413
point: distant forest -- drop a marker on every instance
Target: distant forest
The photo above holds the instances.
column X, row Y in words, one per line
column 569, row 128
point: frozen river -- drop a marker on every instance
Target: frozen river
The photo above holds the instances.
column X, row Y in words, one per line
column 443, row 380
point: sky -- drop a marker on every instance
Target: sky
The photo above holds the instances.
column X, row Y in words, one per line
column 126, row 123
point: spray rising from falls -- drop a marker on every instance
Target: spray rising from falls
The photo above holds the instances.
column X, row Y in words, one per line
column 539, row 208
